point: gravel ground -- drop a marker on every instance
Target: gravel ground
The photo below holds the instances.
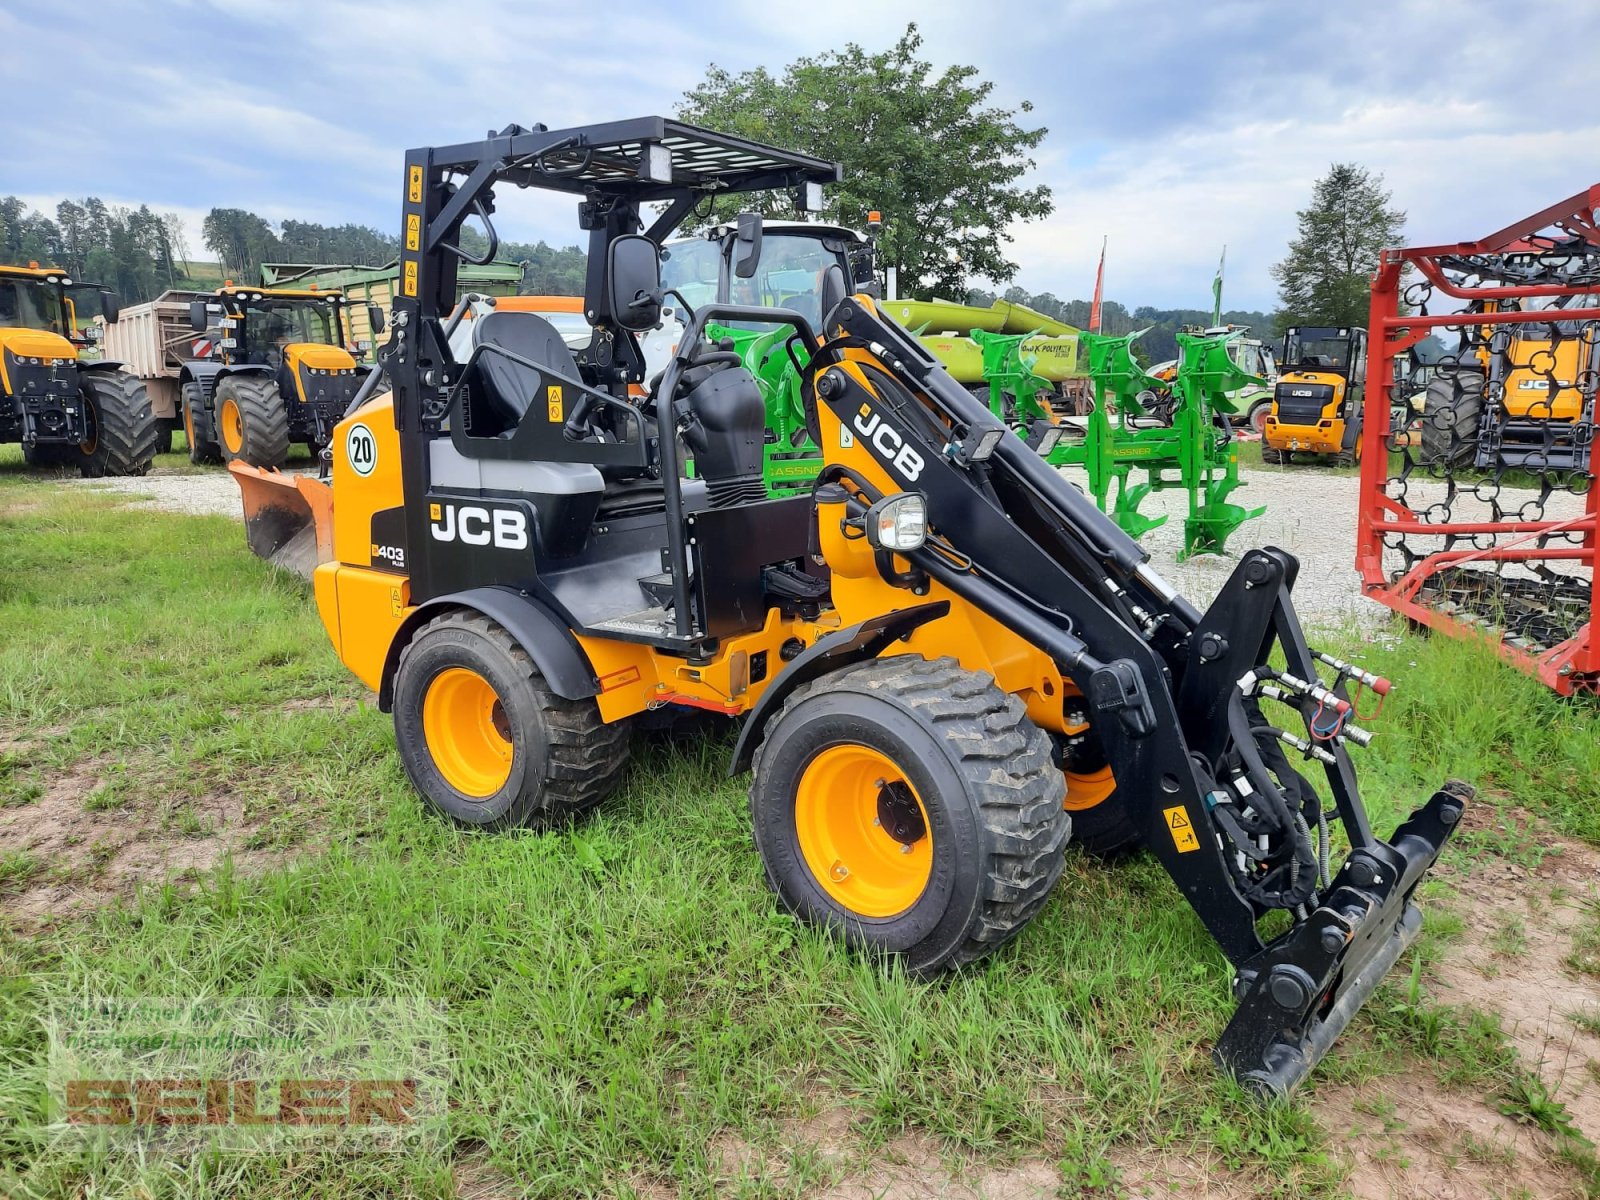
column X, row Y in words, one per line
column 195, row 494
column 1310, row 512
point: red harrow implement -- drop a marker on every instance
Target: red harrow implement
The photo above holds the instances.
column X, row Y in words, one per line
column 1478, row 510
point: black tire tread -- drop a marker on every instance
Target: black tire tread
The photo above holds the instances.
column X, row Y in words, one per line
column 1347, row 456
column 588, row 757
column 201, row 452
column 1452, row 441
column 125, row 425
column 265, row 419
column 1004, row 758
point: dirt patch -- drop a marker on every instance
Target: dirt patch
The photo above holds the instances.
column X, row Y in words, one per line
column 910, row 1167
column 66, row 856
column 1511, row 960
column 341, row 704
column 476, row 1178
column 1164, row 1174
column 1407, row 1138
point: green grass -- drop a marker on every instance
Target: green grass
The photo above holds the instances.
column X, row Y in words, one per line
column 623, row 993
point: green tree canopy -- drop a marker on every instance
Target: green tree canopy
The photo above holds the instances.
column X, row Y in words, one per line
column 926, row 149
column 1326, row 276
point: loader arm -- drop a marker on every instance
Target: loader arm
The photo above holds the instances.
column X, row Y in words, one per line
column 1208, row 739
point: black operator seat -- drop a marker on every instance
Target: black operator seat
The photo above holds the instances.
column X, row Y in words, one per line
column 509, row 385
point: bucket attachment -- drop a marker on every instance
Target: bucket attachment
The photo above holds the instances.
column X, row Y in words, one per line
column 288, row 519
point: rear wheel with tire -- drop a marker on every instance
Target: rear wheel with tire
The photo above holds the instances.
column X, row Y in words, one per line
column 1350, row 452
column 1257, row 419
column 252, row 424
column 201, row 450
column 1274, row 457
column 1450, row 416
column 484, row 738
column 912, row 807
column 122, row 426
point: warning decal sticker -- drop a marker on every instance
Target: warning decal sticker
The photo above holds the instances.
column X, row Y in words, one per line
column 1181, row 828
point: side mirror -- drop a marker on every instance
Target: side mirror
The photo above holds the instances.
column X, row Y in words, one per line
column 747, row 245
column 198, row 318
column 110, row 306
column 375, row 318
column 633, row 280
column 833, row 291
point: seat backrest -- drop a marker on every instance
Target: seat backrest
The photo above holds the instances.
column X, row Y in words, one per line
column 511, row 386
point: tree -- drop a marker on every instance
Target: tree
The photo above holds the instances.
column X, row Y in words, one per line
column 925, row 149
column 241, row 240
column 1326, row 276
column 177, row 239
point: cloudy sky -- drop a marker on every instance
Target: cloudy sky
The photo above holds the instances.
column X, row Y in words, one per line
column 1175, row 127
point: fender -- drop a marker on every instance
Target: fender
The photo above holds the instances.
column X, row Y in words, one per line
column 536, row 629
column 841, row 648
column 100, row 364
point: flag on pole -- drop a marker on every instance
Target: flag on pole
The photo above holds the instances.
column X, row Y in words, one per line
column 1099, row 287
column 1216, row 289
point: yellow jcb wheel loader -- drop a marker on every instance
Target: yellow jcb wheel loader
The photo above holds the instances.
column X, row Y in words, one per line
column 280, row 373
column 943, row 657
column 66, row 411
column 1317, row 403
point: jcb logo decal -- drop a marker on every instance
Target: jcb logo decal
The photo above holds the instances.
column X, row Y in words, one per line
column 889, row 444
column 503, row 528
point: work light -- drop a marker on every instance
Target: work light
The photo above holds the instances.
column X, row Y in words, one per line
column 898, row 522
column 1047, row 441
column 977, row 446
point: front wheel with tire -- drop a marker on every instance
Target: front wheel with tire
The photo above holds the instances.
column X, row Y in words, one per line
column 486, row 740
column 1257, row 419
column 911, row 807
column 122, row 426
column 252, row 423
column 1100, row 822
column 202, row 450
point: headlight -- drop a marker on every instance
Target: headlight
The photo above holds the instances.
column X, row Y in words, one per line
column 1048, row 441
column 898, row 522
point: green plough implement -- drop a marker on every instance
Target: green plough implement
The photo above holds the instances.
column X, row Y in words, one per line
column 1178, row 439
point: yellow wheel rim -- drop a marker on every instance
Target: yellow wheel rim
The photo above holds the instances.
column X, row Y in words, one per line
column 863, row 831
column 232, row 426
column 1089, row 791
column 188, row 425
column 467, row 734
